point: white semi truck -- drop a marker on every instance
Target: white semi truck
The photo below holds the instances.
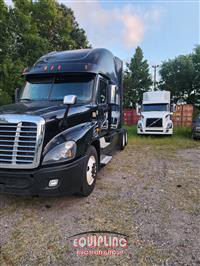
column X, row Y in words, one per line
column 155, row 115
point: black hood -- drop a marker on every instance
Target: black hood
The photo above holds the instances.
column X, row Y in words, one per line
column 52, row 112
column 41, row 108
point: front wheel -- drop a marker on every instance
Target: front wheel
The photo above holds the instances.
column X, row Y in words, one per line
column 90, row 172
column 122, row 140
column 193, row 135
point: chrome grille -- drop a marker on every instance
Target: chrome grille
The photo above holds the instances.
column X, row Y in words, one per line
column 20, row 141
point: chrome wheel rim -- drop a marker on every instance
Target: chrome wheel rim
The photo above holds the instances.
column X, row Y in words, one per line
column 123, row 140
column 91, row 170
column 126, row 138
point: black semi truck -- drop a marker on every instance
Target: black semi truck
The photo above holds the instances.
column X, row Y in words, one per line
column 65, row 124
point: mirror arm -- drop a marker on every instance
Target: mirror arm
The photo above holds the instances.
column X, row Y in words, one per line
column 66, row 112
column 17, row 95
column 64, row 119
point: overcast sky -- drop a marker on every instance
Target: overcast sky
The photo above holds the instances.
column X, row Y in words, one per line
column 163, row 29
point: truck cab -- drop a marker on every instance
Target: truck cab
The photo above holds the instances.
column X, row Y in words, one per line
column 65, row 124
column 155, row 115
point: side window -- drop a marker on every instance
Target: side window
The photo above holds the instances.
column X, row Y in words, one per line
column 102, row 92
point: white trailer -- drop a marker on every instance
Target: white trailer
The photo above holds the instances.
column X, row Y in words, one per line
column 155, row 115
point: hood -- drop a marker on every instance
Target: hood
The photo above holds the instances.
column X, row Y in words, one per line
column 155, row 114
column 40, row 108
column 50, row 111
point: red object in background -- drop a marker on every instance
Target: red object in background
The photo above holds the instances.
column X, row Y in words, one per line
column 183, row 116
column 130, row 117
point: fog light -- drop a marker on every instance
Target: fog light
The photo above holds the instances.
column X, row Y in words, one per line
column 169, row 125
column 53, row 183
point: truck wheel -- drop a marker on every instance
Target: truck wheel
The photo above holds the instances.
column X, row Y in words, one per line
column 90, row 172
column 122, row 141
column 193, row 135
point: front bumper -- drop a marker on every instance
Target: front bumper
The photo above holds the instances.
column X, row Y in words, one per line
column 35, row 182
column 153, row 131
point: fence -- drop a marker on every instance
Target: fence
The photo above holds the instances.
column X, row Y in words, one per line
column 182, row 117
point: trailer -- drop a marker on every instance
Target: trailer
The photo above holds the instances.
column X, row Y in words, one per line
column 155, row 114
column 65, row 124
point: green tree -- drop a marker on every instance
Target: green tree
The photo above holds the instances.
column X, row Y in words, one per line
column 28, row 30
column 196, row 81
column 137, row 79
column 3, row 13
column 177, row 76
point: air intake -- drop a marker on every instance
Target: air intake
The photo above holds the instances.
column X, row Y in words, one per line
column 154, row 122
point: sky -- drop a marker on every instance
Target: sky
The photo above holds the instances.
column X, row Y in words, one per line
column 163, row 29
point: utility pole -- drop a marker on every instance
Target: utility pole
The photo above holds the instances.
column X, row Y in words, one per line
column 154, row 79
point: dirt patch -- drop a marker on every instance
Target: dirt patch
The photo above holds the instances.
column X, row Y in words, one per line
column 149, row 194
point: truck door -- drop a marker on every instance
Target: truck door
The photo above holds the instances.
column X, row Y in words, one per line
column 102, row 101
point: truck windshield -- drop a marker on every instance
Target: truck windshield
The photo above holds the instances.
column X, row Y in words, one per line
column 155, row 107
column 55, row 88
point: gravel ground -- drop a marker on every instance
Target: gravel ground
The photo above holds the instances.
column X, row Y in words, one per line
column 151, row 195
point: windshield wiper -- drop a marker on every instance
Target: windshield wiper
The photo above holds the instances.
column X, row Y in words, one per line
column 36, row 99
column 55, row 99
column 26, row 99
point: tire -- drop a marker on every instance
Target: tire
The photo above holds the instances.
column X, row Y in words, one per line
column 122, row 141
column 90, row 172
column 193, row 135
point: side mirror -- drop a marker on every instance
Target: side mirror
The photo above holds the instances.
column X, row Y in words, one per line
column 17, row 92
column 138, row 109
column 70, row 99
column 112, row 94
column 173, row 108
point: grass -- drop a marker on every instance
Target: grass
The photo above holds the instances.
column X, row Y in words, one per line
column 181, row 139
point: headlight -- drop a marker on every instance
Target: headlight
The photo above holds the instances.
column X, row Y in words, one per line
column 62, row 152
column 139, row 125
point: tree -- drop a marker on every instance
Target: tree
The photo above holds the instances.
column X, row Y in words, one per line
column 178, row 76
column 28, row 30
column 196, row 81
column 137, row 79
